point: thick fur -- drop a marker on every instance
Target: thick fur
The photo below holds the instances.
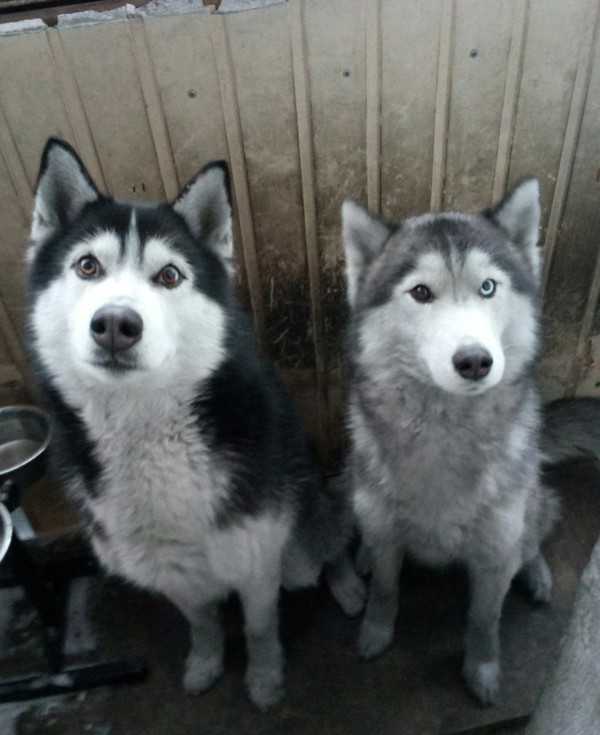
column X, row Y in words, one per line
column 571, row 429
column 442, row 466
column 176, row 437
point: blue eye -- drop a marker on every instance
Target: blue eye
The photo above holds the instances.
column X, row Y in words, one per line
column 488, row 288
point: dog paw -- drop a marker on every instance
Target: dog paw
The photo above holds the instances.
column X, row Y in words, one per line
column 542, row 591
column 539, row 583
column 265, row 688
column 483, row 680
column 201, row 673
column 348, row 590
column 374, row 638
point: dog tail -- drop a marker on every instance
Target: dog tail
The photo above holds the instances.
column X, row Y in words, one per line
column 571, row 429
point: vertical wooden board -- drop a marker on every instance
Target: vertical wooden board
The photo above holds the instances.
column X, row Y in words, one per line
column 335, row 44
column 587, row 378
column 479, row 63
column 187, row 78
column 13, row 286
column 265, row 94
column 552, row 44
column 410, row 39
column 31, row 97
column 588, row 383
column 105, row 68
column 4, row 360
column 575, row 259
column 186, row 74
column 15, row 228
column 335, row 34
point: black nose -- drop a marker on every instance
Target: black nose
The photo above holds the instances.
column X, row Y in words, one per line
column 116, row 328
column 472, row 363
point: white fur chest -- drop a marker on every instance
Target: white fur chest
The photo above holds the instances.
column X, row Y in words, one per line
column 159, row 491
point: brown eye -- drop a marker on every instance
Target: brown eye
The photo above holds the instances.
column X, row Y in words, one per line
column 169, row 277
column 421, row 293
column 88, row 267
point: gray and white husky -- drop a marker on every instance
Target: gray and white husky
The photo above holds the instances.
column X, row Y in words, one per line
column 444, row 411
column 177, row 438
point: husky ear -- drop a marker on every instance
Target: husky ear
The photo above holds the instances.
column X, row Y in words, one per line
column 364, row 237
column 519, row 215
column 205, row 205
column 63, row 189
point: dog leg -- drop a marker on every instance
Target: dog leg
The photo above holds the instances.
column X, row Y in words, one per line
column 346, row 586
column 537, row 578
column 377, row 629
column 481, row 670
column 204, row 665
column 264, row 675
column 364, row 563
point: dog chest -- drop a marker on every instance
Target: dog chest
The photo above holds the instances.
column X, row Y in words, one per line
column 205, row 566
column 159, row 490
column 442, row 488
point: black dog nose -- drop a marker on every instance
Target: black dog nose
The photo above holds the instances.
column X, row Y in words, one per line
column 472, row 363
column 116, row 328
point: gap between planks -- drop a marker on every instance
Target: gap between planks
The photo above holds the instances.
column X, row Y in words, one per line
column 372, row 23
column 514, row 73
column 235, row 145
column 307, row 172
column 569, row 149
column 14, row 164
column 442, row 106
column 154, row 109
column 71, row 97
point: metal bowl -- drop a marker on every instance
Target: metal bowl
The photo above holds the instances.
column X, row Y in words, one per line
column 24, row 438
column 6, row 530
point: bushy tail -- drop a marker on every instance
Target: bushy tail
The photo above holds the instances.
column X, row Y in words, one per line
column 322, row 533
column 571, row 428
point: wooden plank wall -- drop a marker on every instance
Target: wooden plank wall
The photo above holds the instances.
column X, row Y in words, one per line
column 400, row 104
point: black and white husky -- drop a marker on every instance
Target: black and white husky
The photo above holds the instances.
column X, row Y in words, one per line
column 176, row 437
column 444, row 409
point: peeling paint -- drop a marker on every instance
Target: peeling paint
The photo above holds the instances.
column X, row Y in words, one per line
column 237, row 6
column 22, row 26
column 127, row 11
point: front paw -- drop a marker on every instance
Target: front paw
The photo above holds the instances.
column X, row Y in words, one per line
column 483, row 680
column 536, row 577
column 201, row 673
column 265, row 687
column 374, row 638
column 348, row 590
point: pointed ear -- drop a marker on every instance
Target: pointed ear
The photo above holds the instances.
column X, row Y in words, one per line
column 205, row 205
column 63, row 189
column 519, row 215
column 364, row 237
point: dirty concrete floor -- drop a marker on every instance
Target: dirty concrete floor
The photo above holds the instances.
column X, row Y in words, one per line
column 413, row 689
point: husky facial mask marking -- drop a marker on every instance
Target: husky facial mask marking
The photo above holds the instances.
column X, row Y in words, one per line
column 443, row 410
column 170, row 430
column 106, row 283
column 454, row 280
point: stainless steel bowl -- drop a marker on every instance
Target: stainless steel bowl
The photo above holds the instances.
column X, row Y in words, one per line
column 6, row 530
column 24, row 438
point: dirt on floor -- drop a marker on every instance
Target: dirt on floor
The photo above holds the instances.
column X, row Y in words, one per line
column 415, row 688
